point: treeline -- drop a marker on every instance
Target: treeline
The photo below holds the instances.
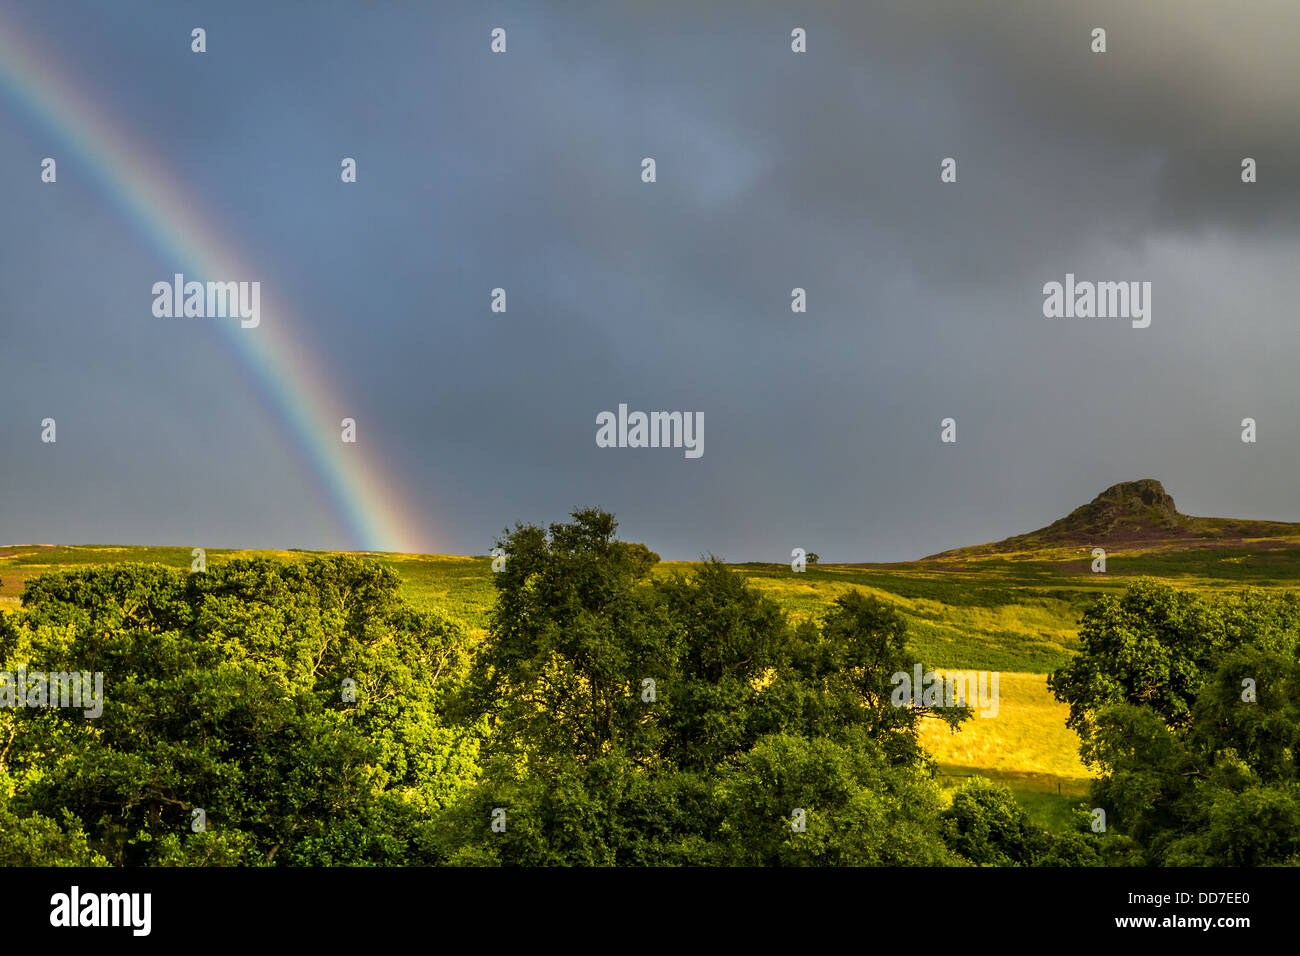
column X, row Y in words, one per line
column 268, row 713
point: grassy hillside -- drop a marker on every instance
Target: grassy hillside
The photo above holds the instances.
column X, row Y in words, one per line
column 1010, row 611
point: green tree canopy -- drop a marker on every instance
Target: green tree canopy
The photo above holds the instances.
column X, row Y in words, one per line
column 295, row 704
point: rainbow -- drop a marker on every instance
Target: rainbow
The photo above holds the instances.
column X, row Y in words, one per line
column 374, row 510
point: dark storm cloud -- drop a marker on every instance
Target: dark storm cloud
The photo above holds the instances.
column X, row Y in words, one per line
column 1191, row 87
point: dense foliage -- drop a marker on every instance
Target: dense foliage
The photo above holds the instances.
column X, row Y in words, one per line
column 640, row 720
column 297, row 713
column 1189, row 706
column 224, row 693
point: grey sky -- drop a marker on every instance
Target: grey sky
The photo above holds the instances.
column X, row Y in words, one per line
column 775, row 170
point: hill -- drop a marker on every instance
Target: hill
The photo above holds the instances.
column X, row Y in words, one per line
column 1136, row 516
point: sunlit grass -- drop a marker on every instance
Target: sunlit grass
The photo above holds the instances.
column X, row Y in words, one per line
column 1028, row 737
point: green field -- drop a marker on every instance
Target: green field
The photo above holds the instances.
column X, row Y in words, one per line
column 1012, row 613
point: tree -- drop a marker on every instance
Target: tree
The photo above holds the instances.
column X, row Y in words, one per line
column 571, row 637
column 799, row 801
column 224, row 693
column 635, row 719
column 986, row 825
column 1189, row 706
